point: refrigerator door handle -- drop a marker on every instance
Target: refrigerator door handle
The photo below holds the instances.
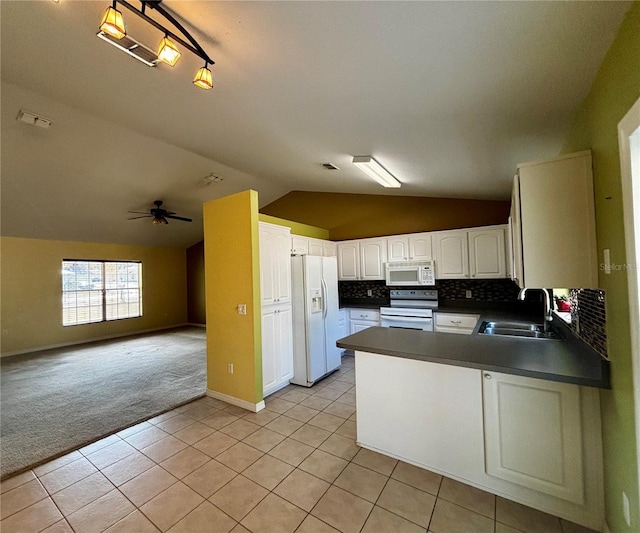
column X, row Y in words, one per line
column 324, row 298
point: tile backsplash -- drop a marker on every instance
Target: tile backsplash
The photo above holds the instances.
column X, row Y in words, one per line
column 493, row 290
column 588, row 318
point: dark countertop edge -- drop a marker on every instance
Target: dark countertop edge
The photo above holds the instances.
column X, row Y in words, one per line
column 601, row 384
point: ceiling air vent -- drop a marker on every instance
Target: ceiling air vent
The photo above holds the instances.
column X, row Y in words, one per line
column 132, row 47
column 330, row 166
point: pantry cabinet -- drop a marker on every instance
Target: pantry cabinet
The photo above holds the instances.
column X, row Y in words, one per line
column 277, row 323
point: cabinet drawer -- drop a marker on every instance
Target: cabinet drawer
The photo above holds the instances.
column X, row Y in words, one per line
column 364, row 314
column 456, row 321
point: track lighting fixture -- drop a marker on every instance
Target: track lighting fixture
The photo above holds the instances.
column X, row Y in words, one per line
column 113, row 23
column 112, row 30
column 204, row 78
column 168, row 52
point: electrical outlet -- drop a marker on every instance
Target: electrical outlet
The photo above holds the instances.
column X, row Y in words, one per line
column 625, row 508
column 468, row 294
column 242, row 309
column 230, row 368
column 369, row 292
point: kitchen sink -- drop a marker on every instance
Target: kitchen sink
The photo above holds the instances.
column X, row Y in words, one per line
column 517, row 329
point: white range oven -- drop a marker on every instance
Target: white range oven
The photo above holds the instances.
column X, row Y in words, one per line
column 410, row 308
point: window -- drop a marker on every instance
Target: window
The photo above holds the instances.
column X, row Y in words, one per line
column 96, row 291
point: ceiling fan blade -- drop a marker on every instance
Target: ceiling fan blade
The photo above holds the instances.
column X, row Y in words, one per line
column 179, row 218
column 143, row 216
column 140, row 212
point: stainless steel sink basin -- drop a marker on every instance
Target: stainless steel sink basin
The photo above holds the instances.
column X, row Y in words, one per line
column 517, row 329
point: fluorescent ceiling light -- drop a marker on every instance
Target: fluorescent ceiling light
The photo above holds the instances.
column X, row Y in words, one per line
column 371, row 167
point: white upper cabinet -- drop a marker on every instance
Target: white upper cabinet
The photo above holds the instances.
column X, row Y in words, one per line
column 362, row 259
column 451, row 254
column 412, row 247
column 315, row 247
column 275, row 264
column 373, row 256
column 299, row 245
column 420, row 247
column 398, row 248
column 487, row 253
column 329, row 249
column 349, row 260
column 555, row 223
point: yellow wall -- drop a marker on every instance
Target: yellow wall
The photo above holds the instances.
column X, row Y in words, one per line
column 31, row 280
column 615, row 89
column 232, row 273
column 196, row 303
column 354, row 216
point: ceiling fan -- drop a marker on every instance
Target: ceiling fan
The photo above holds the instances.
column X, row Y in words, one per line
column 158, row 214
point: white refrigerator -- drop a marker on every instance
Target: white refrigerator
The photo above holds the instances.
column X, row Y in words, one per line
column 314, row 282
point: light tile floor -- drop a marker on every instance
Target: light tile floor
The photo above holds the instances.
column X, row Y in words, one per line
column 211, row 467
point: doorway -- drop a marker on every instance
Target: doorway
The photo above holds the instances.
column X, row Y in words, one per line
column 629, row 140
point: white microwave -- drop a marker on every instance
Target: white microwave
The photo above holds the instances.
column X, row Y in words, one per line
column 410, row 273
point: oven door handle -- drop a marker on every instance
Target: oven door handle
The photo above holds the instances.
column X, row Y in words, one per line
column 393, row 318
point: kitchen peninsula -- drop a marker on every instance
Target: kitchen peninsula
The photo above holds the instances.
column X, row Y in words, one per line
column 517, row 417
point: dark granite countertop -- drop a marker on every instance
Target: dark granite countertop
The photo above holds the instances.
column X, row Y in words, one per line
column 567, row 360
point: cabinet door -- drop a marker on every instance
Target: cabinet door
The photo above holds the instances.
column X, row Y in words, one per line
column 299, row 245
column 517, row 273
column 487, row 253
column 533, row 434
column 348, row 260
column 452, row 254
column 284, row 326
column 267, row 275
column 373, row 256
column 282, row 269
column 558, row 222
column 359, row 325
column 315, row 247
column 420, row 247
column 397, row 248
column 270, row 370
column 329, row 249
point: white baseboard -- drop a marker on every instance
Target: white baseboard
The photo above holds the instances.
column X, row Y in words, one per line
column 253, row 407
column 196, row 325
column 87, row 341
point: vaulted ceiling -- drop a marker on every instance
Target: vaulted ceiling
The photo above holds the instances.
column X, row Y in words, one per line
column 449, row 96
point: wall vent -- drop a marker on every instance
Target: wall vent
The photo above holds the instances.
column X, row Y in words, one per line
column 133, row 48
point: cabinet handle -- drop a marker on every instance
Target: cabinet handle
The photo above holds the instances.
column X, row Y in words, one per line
column 456, row 321
column 487, row 376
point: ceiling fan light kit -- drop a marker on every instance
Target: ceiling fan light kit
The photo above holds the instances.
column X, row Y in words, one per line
column 158, row 214
column 112, row 29
column 375, row 170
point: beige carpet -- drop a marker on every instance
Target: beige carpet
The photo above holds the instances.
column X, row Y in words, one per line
column 57, row 400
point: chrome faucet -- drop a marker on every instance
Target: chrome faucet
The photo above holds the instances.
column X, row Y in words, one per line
column 548, row 316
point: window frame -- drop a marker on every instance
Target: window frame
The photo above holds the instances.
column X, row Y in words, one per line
column 104, row 291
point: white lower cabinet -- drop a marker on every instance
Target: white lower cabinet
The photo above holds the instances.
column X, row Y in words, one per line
column 533, row 441
column 533, row 434
column 455, row 323
column 277, row 348
column 360, row 319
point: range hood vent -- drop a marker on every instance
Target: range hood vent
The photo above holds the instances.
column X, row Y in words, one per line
column 132, row 47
